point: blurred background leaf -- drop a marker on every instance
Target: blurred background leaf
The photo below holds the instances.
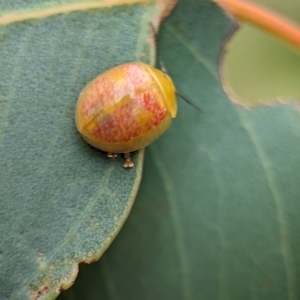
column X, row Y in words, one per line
column 260, row 68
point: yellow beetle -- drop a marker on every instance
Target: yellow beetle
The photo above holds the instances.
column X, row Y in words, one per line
column 126, row 108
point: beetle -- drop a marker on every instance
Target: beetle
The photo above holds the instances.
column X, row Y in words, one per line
column 126, row 108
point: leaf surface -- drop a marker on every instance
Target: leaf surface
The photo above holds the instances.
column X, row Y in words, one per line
column 61, row 201
column 217, row 214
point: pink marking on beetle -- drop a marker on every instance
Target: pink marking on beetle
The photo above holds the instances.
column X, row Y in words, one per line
column 136, row 77
column 146, row 100
column 152, row 104
column 121, row 126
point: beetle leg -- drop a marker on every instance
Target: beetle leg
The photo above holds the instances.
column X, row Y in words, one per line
column 111, row 155
column 128, row 163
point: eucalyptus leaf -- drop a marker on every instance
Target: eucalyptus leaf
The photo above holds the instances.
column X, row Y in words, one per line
column 217, row 214
column 62, row 202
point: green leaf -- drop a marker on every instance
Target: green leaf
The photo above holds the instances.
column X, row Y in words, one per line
column 217, row 214
column 61, row 201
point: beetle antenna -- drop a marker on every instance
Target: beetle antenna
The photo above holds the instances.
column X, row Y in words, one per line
column 188, row 101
